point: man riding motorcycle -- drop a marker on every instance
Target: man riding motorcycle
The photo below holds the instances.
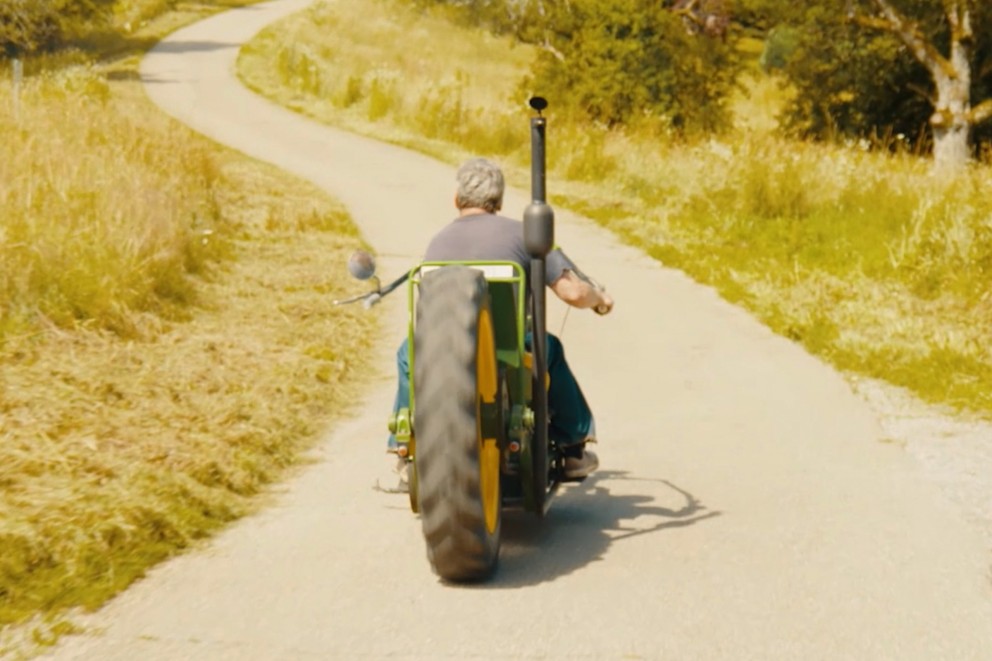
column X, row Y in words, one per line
column 479, row 233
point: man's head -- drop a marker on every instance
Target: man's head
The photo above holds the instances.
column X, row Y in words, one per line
column 480, row 186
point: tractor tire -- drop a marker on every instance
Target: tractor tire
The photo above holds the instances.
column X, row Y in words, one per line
column 455, row 376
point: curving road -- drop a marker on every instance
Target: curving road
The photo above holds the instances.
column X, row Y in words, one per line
column 745, row 508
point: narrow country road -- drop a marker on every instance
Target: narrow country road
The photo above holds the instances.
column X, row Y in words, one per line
column 745, row 508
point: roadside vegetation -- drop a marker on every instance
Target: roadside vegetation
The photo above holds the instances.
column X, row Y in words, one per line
column 167, row 341
column 854, row 247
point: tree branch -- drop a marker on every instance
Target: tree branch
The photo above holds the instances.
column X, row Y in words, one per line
column 986, row 68
column 959, row 17
column 892, row 21
column 688, row 10
column 546, row 46
column 710, row 18
column 981, row 112
column 923, row 92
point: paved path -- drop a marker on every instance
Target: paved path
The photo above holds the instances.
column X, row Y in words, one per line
column 745, row 508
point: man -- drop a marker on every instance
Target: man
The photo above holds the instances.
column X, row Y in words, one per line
column 478, row 233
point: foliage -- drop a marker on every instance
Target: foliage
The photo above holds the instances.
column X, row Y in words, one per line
column 857, row 81
column 779, row 48
column 757, row 15
column 981, row 86
column 28, row 26
column 617, row 61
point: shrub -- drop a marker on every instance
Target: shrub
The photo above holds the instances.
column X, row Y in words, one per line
column 28, row 26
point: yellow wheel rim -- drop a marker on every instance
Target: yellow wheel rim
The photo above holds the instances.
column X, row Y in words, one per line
column 486, row 385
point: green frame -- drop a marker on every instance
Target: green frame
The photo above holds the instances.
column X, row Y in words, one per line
column 508, row 305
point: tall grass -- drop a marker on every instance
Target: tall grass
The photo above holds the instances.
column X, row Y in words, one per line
column 168, row 344
column 141, row 406
column 867, row 258
column 103, row 217
column 391, row 83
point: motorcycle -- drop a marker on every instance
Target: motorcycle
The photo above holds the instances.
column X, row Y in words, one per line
column 475, row 435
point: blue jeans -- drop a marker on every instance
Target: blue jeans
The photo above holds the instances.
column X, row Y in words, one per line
column 571, row 420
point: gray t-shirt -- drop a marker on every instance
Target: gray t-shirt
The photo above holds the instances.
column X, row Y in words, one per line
column 486, row 236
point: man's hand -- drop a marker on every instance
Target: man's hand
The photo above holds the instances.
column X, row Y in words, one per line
column 606, row 305
column 580, row 293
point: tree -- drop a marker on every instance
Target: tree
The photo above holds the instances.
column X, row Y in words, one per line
column 949, row 66
column 617, row 60
column 911, row 67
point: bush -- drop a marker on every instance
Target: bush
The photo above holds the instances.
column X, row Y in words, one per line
column 615, row 61
column 780, row 46
column 619, row 60
column 29, row 26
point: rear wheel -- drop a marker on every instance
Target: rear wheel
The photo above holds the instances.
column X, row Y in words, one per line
column 456, row 424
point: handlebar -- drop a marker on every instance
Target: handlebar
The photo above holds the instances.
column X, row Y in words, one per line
column 372, row 298
column 601, row 309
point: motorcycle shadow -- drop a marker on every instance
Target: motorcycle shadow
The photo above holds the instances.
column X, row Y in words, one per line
column 585, row 519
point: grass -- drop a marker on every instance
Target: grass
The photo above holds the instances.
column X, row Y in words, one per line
column 117, row 229
column 391, row 84
column 868, row 259
column 168, row 345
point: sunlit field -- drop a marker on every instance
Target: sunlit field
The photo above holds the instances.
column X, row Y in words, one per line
column 168, row 345
column 866, row 258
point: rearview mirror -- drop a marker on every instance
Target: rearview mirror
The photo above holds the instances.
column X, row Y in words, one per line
column 361, row 265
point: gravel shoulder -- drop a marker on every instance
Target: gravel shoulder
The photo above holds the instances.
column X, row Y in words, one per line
column 954, row 449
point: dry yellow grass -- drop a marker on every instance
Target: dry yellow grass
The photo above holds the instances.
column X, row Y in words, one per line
column 381, row 74
column 105, row 215
column 169, row 345
column 117, row 453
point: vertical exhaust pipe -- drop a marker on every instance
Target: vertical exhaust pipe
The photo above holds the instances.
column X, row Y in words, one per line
column 539, row 238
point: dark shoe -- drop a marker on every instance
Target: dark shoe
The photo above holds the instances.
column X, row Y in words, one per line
column 579, row 467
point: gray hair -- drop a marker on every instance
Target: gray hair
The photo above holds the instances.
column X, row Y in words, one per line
column 480, row 184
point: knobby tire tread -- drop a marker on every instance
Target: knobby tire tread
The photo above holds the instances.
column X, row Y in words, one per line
column 459, row 545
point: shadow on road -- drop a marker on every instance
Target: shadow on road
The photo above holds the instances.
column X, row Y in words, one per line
column 192, row 46
column 582, row 524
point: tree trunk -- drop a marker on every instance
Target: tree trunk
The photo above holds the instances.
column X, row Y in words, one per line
column 951, row 147
column 951, row 119
column 951, row 122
